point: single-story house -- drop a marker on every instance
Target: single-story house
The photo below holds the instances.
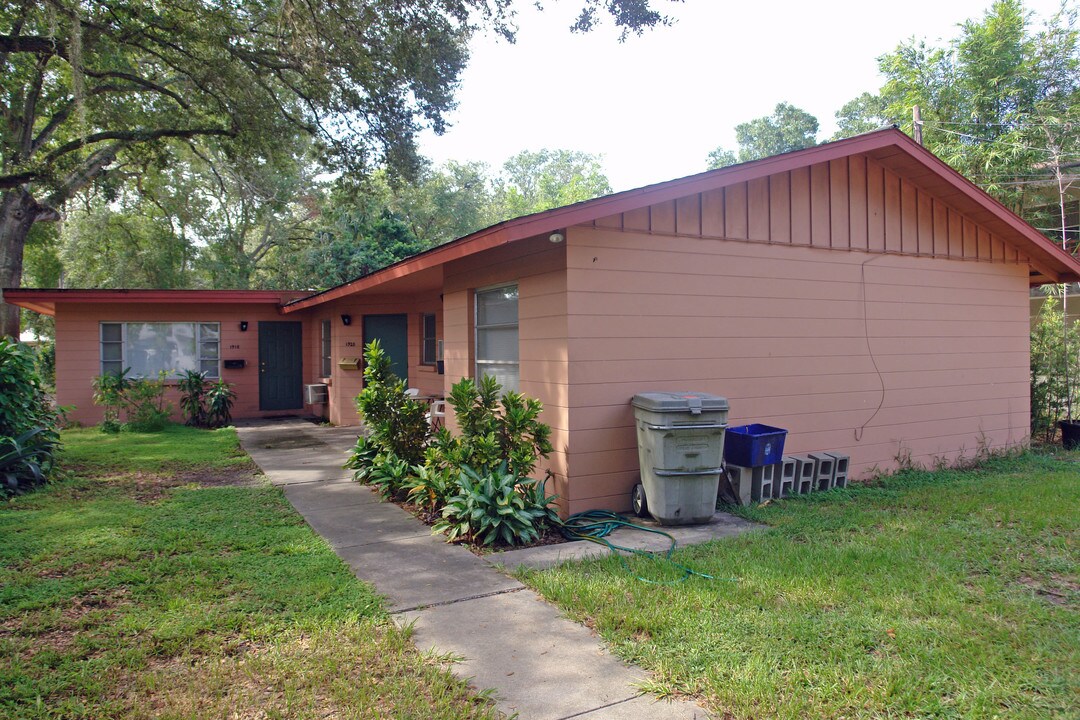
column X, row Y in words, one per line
column 860, row 293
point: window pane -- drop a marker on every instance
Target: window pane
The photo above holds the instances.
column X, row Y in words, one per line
column 111, row 332
column 111, row 368
column 498, row 306
column 111, row 351
column 506, row 375
column 152, row 347
column 208, row 350
column 497, row 344
column 208, row 331
column 210, row 367
column 429, row 351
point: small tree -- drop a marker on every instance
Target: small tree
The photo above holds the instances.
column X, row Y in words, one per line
column 1054, row 360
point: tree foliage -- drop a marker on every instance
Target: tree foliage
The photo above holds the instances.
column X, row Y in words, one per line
column 90, row 85
column 787, row 129
column 999, row 102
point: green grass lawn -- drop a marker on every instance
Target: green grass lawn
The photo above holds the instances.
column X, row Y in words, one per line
column 926, row 595
column 164, row 580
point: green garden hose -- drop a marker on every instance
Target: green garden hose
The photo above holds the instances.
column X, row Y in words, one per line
column 595, row 525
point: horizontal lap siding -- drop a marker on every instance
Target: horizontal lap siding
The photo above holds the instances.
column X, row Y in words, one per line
column 539, row 269
column 348, row 341
column 78, row 349
column 781, row 332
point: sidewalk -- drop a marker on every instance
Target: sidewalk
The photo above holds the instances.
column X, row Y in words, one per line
column 541, row 665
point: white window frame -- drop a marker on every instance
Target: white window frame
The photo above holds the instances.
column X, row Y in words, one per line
column 326, row 348
column 477, row 328
column 123, row 343
column 424, row 359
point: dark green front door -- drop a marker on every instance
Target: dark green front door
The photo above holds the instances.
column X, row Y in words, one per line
column 392, row 332
column 281, row 370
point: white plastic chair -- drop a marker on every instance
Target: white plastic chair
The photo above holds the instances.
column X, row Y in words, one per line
column 412, row 392
column 437, row 414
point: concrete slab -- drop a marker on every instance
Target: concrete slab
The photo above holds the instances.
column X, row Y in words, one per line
column 722, row 525
column 420, row 571
column 646, row 706
column 312, row 496
column 365, row 524
column 543, row 666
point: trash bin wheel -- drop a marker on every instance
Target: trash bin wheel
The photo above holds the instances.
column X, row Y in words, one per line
column 637, row 500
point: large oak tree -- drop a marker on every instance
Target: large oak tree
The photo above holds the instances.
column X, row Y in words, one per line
column 86, row 83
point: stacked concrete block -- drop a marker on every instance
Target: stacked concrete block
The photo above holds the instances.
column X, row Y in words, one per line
column 826, row 470
column 737, row 487
column 763, row 481
column 805, row 474
column 785, row 484
column 840, row 474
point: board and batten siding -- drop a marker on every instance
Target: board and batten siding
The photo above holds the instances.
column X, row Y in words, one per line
column 872, row 321
column 539, row 269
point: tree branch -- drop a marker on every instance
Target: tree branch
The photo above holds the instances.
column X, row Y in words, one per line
column 78, row 179
column 32, row 44
column 132, row 136
column 142, row 82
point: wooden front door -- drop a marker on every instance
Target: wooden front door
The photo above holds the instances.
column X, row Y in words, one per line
column 281, row 369
column 392, row 332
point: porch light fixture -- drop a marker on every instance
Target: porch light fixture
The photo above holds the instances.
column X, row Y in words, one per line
column 556, row 238
column 346, row 319
column 243, row 325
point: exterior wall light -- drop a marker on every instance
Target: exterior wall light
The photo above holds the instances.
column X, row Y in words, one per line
column 243, row 325
column 556, row 238
column 346, row 319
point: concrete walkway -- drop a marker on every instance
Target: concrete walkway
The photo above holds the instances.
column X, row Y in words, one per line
column 541, row 665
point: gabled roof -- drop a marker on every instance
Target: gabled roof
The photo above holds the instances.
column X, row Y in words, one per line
column 889, row 146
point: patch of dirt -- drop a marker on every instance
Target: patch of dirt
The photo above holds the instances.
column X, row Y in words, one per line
column 61, row 636
column 247, row 476
column 1056, row 588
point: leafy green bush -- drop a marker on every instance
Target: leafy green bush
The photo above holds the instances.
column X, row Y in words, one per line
column 29, row 440
column 46, row 363
column 205, row 404
column 219, row 402
column 148, row 411
column 389, row 476
column 494, row 431
column 496, row 506
column 430, row 488
column 395, row 422
column 142, row 400
column 1055, row 373
column 192, row 387
column 110, row 392
column 362, row 459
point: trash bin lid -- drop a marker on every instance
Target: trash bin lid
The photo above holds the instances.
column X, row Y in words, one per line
column 680, row 402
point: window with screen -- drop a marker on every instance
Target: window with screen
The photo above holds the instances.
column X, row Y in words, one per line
column 151, row 347
column 325, row 346
column 497, row 335
column 428, row 342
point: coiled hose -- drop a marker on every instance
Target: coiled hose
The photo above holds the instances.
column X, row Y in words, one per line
column 595, row 525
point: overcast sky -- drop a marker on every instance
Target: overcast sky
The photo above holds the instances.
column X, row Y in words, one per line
column 654, row 106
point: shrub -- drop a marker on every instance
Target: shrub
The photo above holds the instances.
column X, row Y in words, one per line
column 110, row 392
column 219, row 402
column 430, row 488
column 205, row 404
column 362, row 459
column 29, row 440
column 389, row 476
column 1055, row 373
column 493, row 431
column 46, row 363
column 395, row 422
column 192, row 386
column 148, row 411
column 496, row 506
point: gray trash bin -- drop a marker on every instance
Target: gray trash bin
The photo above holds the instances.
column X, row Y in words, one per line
column 680, row 444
